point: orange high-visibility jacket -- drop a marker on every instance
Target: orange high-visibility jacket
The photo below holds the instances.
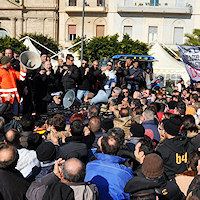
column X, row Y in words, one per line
column 8, row 83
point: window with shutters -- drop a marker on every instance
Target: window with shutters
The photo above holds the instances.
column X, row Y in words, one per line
column 128, row 30
column 178, row 35
column 72, row 2
column 154, row 2
column 153, row 33
column 71, row 32
column 100, row 30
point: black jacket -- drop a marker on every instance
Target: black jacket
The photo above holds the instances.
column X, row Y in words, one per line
column 43, row 86
column 175, row 153
column 98, row 79
column 13, row 185
column 49, row 187
column 84, row 83
column 69, row 80
column 73, row 148
column 137, row 72
column 165, row 190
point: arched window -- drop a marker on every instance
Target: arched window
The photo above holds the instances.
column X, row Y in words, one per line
column 3, row 32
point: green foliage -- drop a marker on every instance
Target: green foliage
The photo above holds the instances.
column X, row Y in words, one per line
column 193, row 39
column 12, row 43
column 44, row 40
column 108, row 46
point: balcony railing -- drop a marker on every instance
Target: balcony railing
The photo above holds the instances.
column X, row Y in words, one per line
column 160, row 8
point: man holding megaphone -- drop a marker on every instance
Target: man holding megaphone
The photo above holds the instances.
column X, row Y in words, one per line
column 8, row 77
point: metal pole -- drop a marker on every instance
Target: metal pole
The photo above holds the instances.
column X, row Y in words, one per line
column 82, row 37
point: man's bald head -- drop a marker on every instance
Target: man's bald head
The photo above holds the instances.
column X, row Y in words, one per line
column 13, row 137
column 8, row 156
column 95, row 124
column 74, row 170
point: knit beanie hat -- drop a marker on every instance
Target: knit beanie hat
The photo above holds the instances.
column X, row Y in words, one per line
column 46, row 152
column 152, row 166
column 137, row 130
column 172, row 126
column 5, row 60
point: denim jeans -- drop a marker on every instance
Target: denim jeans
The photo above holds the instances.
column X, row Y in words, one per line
column 81, row 94
column 101, row 97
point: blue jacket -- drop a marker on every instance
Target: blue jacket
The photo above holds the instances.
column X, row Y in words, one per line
column 110, row 176
column 152, row 126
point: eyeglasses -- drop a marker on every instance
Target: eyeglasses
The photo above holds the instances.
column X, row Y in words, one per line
column 109, row 65
column 72, row 60
column 84, row 63
column 125, row 92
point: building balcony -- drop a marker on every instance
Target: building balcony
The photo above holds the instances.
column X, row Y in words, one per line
column 160, row 9
column 90, row 7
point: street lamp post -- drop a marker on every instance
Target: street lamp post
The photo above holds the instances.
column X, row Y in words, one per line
column 82, row 37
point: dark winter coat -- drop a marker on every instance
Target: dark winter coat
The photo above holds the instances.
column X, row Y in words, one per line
column 73, row 148
column 84, row 82
column 175, row 153
column 164, row 189
column 69, row 80
column 13, row 185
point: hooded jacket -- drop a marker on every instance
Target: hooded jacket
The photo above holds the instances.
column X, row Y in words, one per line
column 166, row 190
column 109, row 175
column 175, row 153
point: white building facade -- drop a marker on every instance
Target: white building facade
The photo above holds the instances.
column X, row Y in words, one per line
column 145, row 20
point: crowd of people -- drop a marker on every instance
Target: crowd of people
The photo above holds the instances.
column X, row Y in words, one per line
column 123, row 138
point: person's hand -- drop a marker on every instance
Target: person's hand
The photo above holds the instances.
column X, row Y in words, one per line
column 113, row 85
column 87, row 132
column 132, row 76
column 65, row 68
column 111, row 108
column 48, row 72
column 42, row 72
column 120, row 106
column 61, row 69
column 87, row 70
column 9, row 97
column 23, row 67
column 57, row 167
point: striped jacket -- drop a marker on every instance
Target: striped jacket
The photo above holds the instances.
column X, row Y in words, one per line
column 8, row 84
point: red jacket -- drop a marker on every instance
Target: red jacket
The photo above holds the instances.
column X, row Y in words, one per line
column 8, row 84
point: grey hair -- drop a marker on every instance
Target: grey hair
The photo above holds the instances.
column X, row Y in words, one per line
column 148, row 114
column 118, row 90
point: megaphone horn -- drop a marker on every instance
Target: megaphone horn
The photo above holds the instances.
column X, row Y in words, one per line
column 30, row 60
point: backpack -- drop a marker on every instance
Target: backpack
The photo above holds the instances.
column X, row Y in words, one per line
column 85, row 191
